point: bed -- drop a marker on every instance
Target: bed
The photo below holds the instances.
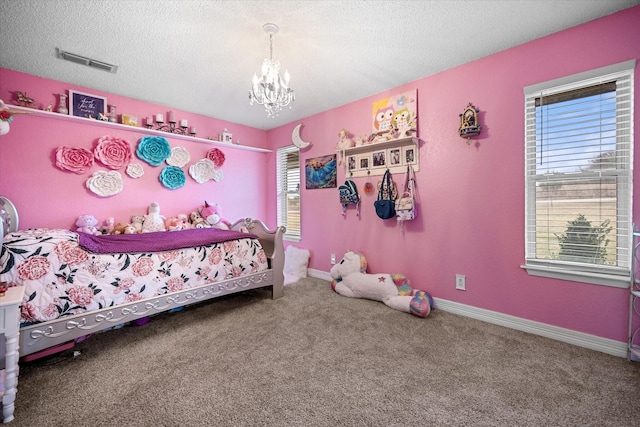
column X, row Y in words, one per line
column 77, row 284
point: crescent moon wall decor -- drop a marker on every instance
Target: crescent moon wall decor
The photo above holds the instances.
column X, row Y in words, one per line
column 297, row 139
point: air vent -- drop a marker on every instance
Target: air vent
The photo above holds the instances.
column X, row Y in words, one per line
column 79, row 59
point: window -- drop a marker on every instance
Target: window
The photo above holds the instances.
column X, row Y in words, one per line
column 288, row 191
column 578, row 176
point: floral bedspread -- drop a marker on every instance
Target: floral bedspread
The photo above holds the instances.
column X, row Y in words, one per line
column 61, row 278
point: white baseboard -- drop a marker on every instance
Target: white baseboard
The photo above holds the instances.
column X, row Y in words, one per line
column 581, row 339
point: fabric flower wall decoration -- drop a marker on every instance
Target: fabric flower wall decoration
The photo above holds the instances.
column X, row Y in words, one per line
column 179, row 157
column 74, row 159
column 105, row 183
column 202, row 170
column 153, row 149
column 216, row 156
column 135, row 170
column 114, row 153
column 172, row 177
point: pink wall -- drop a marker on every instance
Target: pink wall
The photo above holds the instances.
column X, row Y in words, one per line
column 471, row 218
column 48, row 197
column 471, row 199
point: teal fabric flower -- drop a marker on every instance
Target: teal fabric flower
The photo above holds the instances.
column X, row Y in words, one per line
column 153, row 150
column 172, row 177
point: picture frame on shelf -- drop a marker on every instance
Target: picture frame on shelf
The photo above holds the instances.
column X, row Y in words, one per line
column 364, row 162
column 409, row 155
column 86, row 105
column 352, row 163
column 379, row 159
column 395, row 157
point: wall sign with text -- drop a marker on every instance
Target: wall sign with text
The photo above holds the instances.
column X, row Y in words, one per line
column 86, row 105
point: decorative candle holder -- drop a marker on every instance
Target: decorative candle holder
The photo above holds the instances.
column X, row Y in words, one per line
column 170, row 126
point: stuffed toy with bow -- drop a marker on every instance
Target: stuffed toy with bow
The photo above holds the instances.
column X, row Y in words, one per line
column 350, row 279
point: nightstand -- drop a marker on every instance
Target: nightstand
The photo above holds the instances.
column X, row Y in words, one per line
column 9, row 326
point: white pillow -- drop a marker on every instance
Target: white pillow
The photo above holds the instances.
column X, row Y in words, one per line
column 295, row 264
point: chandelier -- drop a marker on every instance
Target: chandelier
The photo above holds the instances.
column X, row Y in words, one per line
column 271, row 90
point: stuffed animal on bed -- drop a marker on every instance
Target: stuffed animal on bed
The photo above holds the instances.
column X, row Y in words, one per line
column 197, row 221
column 153, row 221
column 213, row 215
column 87, row 224
column 350, row 279
column 124, row 228
column 107, row 226
column 177, row 223
column 137, row 221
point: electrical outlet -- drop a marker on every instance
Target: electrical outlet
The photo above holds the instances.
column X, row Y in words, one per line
column 461, row 282
column 333, row 259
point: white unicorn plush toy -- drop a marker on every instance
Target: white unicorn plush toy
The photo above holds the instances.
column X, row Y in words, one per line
column 350, row 279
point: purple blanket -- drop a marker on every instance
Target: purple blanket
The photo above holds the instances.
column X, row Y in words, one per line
column 157, row 241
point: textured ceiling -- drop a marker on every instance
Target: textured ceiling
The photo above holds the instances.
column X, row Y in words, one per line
column 199, row 56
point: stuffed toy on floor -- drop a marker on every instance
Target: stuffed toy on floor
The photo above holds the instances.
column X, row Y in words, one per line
column 350, row 279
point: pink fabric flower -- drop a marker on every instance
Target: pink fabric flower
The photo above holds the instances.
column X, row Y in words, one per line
column 216, row 156
column 114, row 153
column 74, row 159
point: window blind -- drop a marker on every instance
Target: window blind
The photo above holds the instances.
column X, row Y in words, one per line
column 578, row 171
column 288, row 191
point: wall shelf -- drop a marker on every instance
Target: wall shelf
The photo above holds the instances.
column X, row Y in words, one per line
column 398, row 153
column 143, row 130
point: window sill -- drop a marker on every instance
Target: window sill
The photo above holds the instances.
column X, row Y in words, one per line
column 613, row 280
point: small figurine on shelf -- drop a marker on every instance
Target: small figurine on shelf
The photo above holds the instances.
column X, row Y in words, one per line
column 62, row 104
column 344, row 142
column 49, row 107
column 24, row 100
column 113, row 117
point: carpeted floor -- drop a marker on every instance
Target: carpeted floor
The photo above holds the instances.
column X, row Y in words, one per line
column 314, row 358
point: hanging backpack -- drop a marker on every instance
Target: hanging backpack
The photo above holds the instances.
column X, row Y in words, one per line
column 387, row 194
column 349, row 196
column 406, row 204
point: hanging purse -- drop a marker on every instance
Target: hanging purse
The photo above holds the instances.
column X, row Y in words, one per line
column 406, row 205
column 387, row 194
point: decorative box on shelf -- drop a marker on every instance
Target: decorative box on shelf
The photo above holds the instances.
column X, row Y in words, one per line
column 225, row 136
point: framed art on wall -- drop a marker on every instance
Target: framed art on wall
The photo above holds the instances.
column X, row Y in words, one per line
column 321, row 172
column 396, row 116
column 86, row 105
